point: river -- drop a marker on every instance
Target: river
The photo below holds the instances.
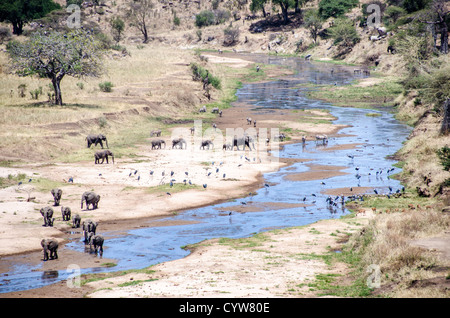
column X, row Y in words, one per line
column 378, row 137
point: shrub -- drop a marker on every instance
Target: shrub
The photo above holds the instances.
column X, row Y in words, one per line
column 444, row 157
column 199, row 74
column 106, row 87
column 231, row 35
column 205, row 18
column 344, row 33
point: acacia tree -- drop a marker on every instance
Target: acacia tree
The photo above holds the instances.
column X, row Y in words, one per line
column 437, row 17
column 20, row 12
column 54, row 55
column 313, row 23
column 284, row 5
column 139, row 13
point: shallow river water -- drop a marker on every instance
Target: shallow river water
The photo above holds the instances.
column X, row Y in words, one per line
column 379, row 137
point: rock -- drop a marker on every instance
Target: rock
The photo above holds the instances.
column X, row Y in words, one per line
column 446, row 209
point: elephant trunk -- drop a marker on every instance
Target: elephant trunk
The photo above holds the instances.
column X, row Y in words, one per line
column 82, row 199
column 112, row 157
column 106, row 142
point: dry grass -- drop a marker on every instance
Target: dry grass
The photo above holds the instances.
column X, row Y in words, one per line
column 385, row 242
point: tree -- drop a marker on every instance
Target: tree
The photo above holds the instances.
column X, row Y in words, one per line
column 344, row 33
column 54, row 55
column 335, row 8
column 437, row 17
column 284, row 5
column 256, row 5
column 20, row 12
column 394, row 13
column 117, row 26
column 139, row 13
column 313, row 23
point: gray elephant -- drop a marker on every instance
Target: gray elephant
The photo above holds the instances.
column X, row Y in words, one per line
column 97, row 241
column 96, row 139
column 51, row 246
column 227, row 146
column 76, row 220
column 47, row 213
column 205, row 143
column 66, row 213
column 91, row 198
column 179, row 142
column 245, row 141
column 89, row 226
column 156, row 144
column 57, row 193
column 104, row 154
column 156, row 133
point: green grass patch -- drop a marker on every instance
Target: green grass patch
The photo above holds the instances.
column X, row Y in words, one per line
column 380, row 94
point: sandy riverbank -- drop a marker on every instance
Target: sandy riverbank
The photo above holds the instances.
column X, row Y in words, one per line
column 129, row 202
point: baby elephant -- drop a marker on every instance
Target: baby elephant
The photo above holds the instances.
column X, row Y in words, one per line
column 47, row 213
column 103, row 155
column 50, row 246
column 97, row 241
column 57, row 193
column 66, row 213
column 76, row 220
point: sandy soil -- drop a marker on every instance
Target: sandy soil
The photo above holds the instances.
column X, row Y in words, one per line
column 128, row 202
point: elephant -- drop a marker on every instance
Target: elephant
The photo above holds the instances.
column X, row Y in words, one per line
column 76, row 220
column 103, row 155
column 89, row 226
column 156, row 133
column 227, row 147
column 206, row 143
column 179, row 142
column 97, row 241
column 279, row 137
column 215, row 110
column 323, row 138
column 202, row 110
column 245, row 141
column 96, row 139
column 47, row 213
column 51, row 246
column 66, row 213
column 156, row 144
column 57, row 193
column 90, row 198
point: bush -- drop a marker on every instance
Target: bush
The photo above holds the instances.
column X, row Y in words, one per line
column 444, row 157
column 335, row 8
column 205, row 18
column 231, row 35
column 344, row 33
column 199, row 74
column 106, row 87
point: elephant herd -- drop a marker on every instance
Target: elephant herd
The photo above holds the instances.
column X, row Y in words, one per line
column 50, row 246
column 100, row 155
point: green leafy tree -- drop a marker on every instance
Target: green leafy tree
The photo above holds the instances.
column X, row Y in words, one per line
column 313, row 22
column 54, row 55
column 118, row 26
column 205, row 18
column 285, row 5
column 335, row 8
column 20, row 12
column 256, row 5
column 344, row 33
